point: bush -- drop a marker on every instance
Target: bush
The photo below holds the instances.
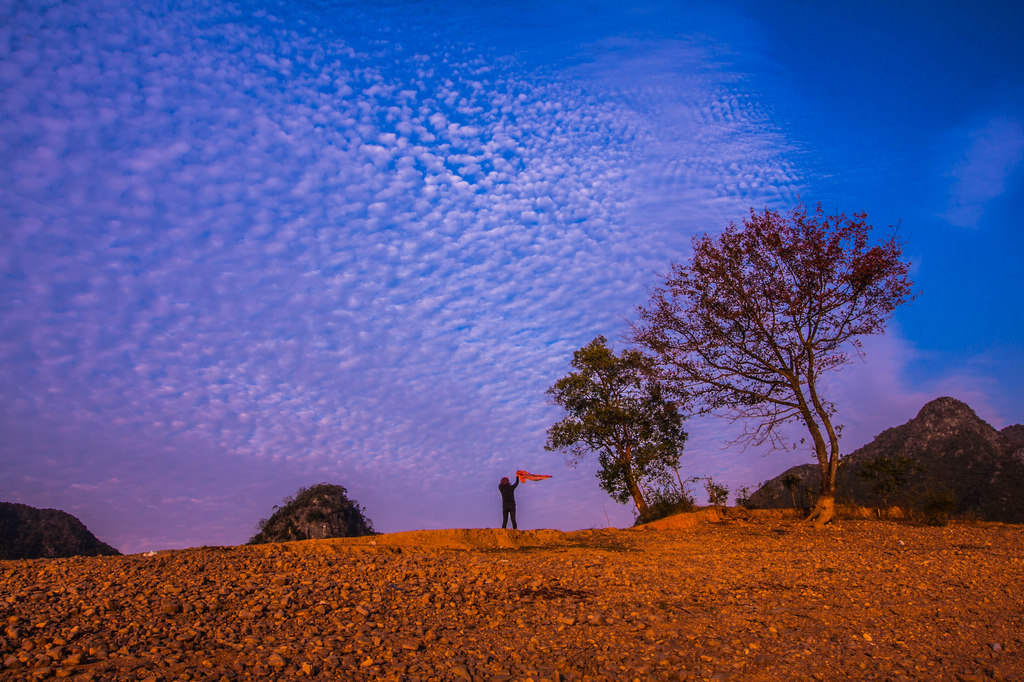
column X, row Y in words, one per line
column 743, row 497
column 936, row 506
column 718, row 494
column 666, row 502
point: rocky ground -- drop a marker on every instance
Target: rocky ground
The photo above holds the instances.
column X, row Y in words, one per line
column 734, row 599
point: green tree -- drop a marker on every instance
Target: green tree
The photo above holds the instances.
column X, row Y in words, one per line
column 614, row 408
column 749, row 328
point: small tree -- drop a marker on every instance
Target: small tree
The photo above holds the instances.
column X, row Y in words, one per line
column 751, row 325
column 792, row 481
column 718, row 494
column 743, row 494
column 616, row 410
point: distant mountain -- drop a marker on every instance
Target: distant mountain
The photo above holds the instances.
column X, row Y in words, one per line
column 321, row 511
column 30, row 533
column 945, row 449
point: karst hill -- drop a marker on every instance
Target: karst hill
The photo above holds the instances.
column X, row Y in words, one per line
column 29, row 533
column 315, row 513
column 946, row 452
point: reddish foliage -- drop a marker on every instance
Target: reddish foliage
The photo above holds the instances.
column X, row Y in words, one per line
column 761, row 311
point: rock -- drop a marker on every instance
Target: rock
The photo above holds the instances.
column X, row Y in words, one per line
column 170, row 607
column 460, row 672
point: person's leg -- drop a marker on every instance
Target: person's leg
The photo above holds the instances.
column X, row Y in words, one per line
column 514, row 526
column 504, row 519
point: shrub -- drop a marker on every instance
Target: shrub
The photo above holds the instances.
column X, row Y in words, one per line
column 936, row 506
column 743, row 495
column 718, row 494
column 666, row 502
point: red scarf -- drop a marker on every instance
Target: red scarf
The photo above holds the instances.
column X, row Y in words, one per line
column 527, row 476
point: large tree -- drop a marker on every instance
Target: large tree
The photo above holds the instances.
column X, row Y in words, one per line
column 616, row 409
column 761, row 313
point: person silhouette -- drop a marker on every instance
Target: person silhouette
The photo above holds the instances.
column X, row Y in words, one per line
column 508, row 502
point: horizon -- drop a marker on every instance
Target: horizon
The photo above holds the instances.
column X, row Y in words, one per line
column 248, row 248
column 289, row 499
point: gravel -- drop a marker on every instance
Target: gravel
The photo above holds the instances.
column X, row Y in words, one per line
column 754, row 599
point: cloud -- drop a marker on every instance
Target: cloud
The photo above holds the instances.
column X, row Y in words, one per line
column 989, row 155
column 304, row 252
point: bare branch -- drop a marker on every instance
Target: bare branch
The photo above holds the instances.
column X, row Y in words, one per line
column 748, row 326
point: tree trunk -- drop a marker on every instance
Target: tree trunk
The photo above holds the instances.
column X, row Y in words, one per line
column 824, row 510
column 626, row 459
column 641, row 504
column 825, row 506
column 638, row 495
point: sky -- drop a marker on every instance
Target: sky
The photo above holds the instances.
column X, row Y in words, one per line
column 249, row 247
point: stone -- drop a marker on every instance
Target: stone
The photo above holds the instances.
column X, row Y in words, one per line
column 170, row 607
column 732, row 590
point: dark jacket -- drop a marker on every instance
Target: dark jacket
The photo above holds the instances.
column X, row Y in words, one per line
column 508, row 496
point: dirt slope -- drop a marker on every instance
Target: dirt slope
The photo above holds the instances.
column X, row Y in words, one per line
column 454, row 538
column 738, row 598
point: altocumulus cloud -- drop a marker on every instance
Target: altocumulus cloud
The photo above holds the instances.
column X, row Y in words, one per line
column 238, row 245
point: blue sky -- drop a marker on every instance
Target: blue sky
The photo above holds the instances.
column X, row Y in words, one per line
column 249, row 247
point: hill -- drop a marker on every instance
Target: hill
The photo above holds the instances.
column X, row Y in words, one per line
column 946, row 451
column 30, row 533
column 315, row 513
